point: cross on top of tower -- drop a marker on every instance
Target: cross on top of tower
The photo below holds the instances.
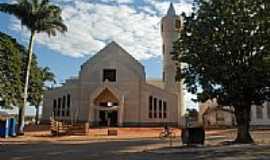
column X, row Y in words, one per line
column 171, row 10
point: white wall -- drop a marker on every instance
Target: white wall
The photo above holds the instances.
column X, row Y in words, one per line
column 265, row 119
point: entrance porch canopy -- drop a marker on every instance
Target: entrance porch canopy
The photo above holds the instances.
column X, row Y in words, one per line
column 97, row 96
column 101, row 108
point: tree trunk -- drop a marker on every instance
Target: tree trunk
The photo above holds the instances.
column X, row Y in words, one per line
column 25, row 92
column 242, row 114
column 37, row 116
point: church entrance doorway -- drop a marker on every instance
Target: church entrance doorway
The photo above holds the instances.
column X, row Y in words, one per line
column 107, row 107
column 108, row 118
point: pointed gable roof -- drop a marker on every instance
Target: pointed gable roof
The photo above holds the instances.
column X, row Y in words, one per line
column 113, row 43
column 171, row 10
column 114, row 49
column 108, row 47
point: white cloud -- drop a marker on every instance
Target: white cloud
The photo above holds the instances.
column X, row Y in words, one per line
column 92, row 24
column 162, row 6
column 117, row 1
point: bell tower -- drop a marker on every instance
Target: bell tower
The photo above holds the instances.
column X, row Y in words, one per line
column 170, row 31
column 171, row 25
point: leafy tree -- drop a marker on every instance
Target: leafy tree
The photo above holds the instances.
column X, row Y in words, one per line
column 12, row 66
column 192, row 113
column 10, row 69
column 38, row 16
column 225, row 49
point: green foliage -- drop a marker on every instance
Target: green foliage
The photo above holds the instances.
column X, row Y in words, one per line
column 37, row 15
column 10, row 69
column 225, row 49
column 13, row 58
column 193, row 113
column 38, row 78
column 225, row 45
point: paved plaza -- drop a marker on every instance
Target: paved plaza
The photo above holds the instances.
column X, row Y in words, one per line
column 39, row 146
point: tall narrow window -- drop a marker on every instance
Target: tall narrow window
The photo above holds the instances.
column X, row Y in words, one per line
column 68, row 105
column 259, row 112
column 163, row 49
column 159, row 109
column 109, row 74
column 63, row 106
column 54, row 107
column 163, row 76
column 150, row 107
column 155, row 107
column 164, row 109
column 59, row 107
column 161, row 27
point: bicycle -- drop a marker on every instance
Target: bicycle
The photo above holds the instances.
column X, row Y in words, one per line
column 167, row 134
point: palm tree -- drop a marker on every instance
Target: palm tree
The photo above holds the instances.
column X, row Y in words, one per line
column 38, row 16
column 46, row 76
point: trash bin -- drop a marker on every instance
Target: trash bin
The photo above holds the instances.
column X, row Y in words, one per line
column 4, row 127
column 192, row 136
column 12, row 127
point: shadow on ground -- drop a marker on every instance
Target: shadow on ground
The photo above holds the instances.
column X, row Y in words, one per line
column 228, row 152
column 81, row 150
column 136, row 149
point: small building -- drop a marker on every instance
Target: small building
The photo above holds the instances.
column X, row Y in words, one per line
column 212, row 115
column 218, row 117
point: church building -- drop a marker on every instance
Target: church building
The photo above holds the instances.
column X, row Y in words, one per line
column 112, row 87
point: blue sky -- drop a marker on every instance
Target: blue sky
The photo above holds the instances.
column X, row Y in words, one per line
column 134, row 24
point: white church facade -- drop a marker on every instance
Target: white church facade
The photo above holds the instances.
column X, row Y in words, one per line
column 112, row 86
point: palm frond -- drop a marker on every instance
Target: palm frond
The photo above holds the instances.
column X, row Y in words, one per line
column 37, row 15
